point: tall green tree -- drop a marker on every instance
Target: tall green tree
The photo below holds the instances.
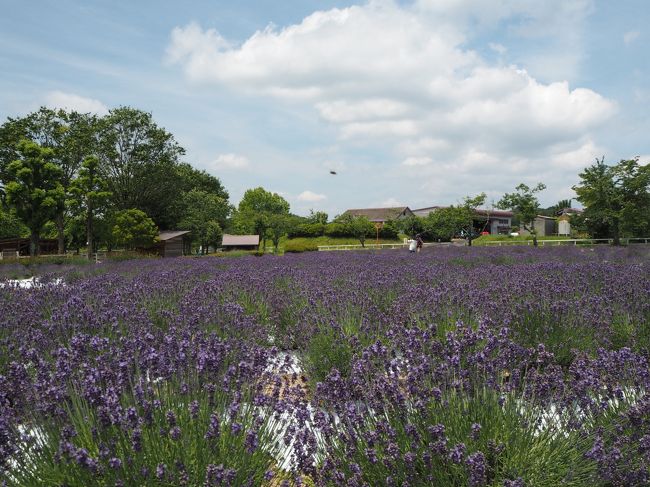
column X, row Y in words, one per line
column 202, row 211
column 89, row 197
column 411, row 225
column 133, row 229
column 616, row 199
column 139, row 161
column 360, row 227
column 254, row 210
column 278, row 226
column 70, row 135
column 524, row 204
column 448, row 222
column 34, row 190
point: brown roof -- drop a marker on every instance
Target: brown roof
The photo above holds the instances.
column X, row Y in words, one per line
column 169, row 234
column 379, row 214
column 240, row 240
column 478, row 211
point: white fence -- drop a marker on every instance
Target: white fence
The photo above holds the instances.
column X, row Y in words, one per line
column 370, row 246
column 575, row 241
column 571, row 241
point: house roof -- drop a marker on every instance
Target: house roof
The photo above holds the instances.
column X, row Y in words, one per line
column 169, row 234
column 379, row 214
column 240, row 240
column 479, row 211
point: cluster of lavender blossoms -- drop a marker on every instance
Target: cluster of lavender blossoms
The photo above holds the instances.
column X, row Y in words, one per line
column 455, row 366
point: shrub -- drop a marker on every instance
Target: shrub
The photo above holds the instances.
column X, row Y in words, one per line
column 298, row 246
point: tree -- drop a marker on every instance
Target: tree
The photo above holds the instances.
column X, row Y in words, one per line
column 202, row 211
column 10, row 225
column 133, row 229
column 278, row 225
column 70, row 135
column 139, row 162
column 34, row 189
column 359, row 227
column 524, row 204
column 616, row 199
column 255, row 209
column 317, row 217
column 214, row 234
column 448, row 222
column 411, row 225
column 89, row 197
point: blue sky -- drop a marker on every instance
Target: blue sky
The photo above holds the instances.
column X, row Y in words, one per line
column 417, row 103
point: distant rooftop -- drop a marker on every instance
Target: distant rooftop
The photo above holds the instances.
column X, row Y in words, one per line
column 379, row 214
column 479, row 211
column 169, row 234
column 240, row 240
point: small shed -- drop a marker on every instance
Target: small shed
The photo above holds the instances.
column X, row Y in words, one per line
column 240, row 242
column 173, row 243
column 545, row 225
column 9, row 246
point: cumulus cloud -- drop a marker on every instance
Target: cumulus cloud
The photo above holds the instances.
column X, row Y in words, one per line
column 311, row 197
column 401, row 77
column 72, row 102
column 230, row 161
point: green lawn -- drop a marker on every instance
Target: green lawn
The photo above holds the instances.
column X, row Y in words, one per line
column 485, row 239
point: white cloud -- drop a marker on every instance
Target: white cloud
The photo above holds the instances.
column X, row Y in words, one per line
column 230, row 161
column 311, row 197
column 400, row 78
column 70, row 101
column 631, row 36
column 417, row 161
column 498, row 48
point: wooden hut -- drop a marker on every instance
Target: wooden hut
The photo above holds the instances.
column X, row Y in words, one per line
column 240, row 242
column 11, row 247
column 173, row 243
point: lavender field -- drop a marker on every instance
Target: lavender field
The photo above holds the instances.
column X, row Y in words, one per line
column 456, row 366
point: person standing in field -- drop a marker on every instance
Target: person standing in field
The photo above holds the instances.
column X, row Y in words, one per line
column 419, row 242
column 412, row 244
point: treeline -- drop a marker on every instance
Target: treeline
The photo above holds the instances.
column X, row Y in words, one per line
column 102, row 182
column 116, row 180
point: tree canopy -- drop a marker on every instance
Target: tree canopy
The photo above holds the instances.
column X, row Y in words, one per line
column 34, row 190
column 616, row 199
column 524, row 204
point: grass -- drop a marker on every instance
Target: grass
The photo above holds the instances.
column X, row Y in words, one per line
column 486, row 239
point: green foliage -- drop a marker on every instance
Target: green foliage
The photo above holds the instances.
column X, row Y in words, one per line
column 518, row 441
column 204, row 216
column 34, row 190
column 389, row 229
column 133, row 229
column 139, row 161
column 89, row 197
column 448, row 222
column 525, row 206
column 201, row 434
column 214, row 234
column 317, row 217
column 411, row 225
column 300, row 245
column 278, row 225
column 358, row 227
column 253, row 215
column 11, row 226
column 326, row 351
column 616, row 199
